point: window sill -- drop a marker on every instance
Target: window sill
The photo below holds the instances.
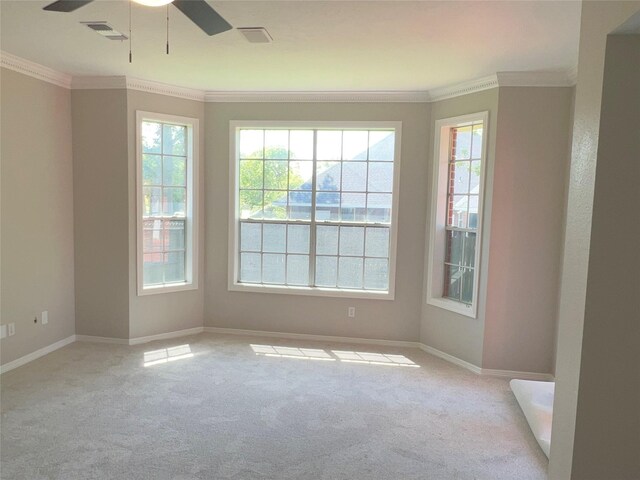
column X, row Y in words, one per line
column 456, row 307
column 176, row 287
column 311, row 291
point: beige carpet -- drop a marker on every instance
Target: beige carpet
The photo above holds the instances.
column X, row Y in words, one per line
column 226, row 407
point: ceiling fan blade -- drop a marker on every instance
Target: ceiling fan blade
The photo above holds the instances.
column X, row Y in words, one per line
column 201, row 13
column 66, row 5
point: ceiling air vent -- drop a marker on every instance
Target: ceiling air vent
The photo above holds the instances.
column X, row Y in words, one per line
column 106, row 30
column 256, row 34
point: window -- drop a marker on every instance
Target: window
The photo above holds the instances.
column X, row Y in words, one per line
column 314, row 208
column 167, row 229
column 456, row 216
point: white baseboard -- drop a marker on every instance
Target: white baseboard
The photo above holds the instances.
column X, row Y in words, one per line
column 486, row 371
column 94, row 339
column 165, row 336
column 37, row 354
column 317, row 338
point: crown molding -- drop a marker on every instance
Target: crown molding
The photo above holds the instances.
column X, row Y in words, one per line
column 99, row 83
column 164, row 89
column 560, row 78
column 320, row 97
column 463, row 88
column 35, row 70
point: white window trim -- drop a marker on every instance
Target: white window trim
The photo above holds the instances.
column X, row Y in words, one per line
column 437, row 218
column 191, row 242
column 234, row 217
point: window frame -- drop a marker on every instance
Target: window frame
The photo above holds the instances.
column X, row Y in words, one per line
column 192, row 200
column 437, row 216
column 234, row 211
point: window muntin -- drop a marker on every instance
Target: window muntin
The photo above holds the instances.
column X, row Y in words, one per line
column 463, row 198
column 314, row 207
column 166, row 202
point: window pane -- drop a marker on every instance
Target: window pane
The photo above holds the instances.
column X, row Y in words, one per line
column 352, row 241
column 174, row 234
column 174, row 201
column 377, row 242
column 174, row 139
column 152, row 268
column 300, row 175
column 151, row 137
column 328, row 176
column 452, row 282
column 467, row 285
column 151, row 237
column 301, row 144
column 326, row 240
column 379, row 207
column 251, row 143
column 354, row 145
column 476, row 147
column 300, row 205
column 326, row 271
column 458, row 205
column 251, row 174
column 276, row 144
column 276, row 174
column 250, row 267
column 459, row 173
column 380, row 178
column 473, row 211
column 350, row 273
column 152, row 206
column 298, row 238
column 151, row 169
column 461, row 148
column 174, row 267
column 275, row 204
column 250, row 237
column 352, row 207
column 274, row 238
column 474, row 186
column 175, row 171
column 376, row 274
column 469, row 254
column 273, row 270
column 298, row 269
column 329, row 145
column 381, row 145
column 453, row 251
column 328, row 206
column 251, row 203
column 354, row 176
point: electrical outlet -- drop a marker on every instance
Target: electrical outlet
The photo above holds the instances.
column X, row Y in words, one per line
column 351, row 312
column 12, row 329
column 44, row 318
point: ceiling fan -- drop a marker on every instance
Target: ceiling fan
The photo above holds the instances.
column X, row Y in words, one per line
column 198, row 11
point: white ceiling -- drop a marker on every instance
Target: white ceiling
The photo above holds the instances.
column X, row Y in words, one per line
column 318, row 46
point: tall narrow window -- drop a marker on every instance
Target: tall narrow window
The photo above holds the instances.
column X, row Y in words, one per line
column 314, row 208
column 454, row 251
column 167, row 157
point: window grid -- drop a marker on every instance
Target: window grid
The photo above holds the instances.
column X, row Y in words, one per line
column 162, row 219
column 313, row 222
column 458, row 276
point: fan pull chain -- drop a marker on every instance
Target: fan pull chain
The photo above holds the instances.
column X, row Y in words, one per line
column 167, row 29
column 130, row 41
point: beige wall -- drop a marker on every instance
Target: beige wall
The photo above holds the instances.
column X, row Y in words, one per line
column 531, row 160
column 100, row 185
column 37, row 213
column 598, row 20
column 167, row 312
column 387, row 319
column 444, row 330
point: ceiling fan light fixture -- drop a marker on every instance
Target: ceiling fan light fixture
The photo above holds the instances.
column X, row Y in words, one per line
column 153, row 3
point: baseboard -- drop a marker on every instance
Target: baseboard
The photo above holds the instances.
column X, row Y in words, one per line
column 37, row 354
column 317, row 338
column 94, row 339
column 486, row 371
column 166, row 336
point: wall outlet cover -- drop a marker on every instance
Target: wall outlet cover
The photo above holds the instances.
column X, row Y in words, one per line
column 12, row 329
column 45, row 317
